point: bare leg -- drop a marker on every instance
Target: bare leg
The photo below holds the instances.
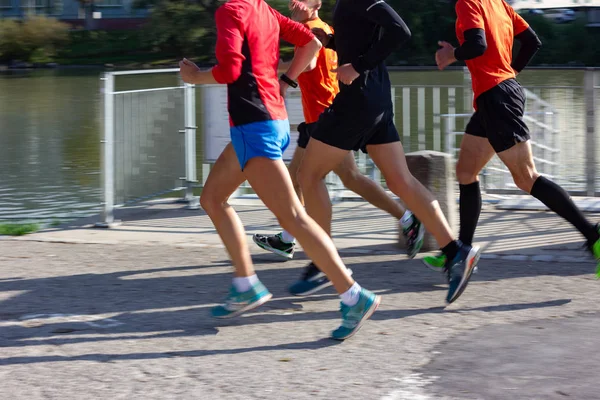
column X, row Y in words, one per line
column 272, row 183
column 475, row 153
column 319, row 160
column 224, row 178
column 519, row 161
column 366, row 188
column 390, row 159
column 294, row 167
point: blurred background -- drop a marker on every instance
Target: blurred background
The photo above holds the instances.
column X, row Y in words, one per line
column 53, row 115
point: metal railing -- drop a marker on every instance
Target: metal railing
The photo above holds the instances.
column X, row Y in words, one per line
column 149, row 144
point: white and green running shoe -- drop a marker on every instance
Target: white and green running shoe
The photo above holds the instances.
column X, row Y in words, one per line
column 275, row 244
column 414, row 232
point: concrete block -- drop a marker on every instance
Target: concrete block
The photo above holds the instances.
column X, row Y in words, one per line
column 435, row 170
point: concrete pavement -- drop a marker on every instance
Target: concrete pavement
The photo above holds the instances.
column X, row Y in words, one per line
column 123, row 313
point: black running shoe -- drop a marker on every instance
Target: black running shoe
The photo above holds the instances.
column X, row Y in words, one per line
column 275, row 244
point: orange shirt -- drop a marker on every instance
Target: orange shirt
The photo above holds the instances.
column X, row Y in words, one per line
column 319, row 86
column 501, row 23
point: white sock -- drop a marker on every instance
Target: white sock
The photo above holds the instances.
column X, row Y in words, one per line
column 245, row 283
column 286, row 237
column 406, row 219
column 351, row 296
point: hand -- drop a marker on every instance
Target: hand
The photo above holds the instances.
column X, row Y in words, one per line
column 346, row 73
column 188, row 70
column 445, row 55
column 283, row 87
column 300, row 11
column 321, row 35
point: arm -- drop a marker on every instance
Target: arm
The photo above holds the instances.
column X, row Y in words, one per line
column 395, row 33
column 228, row 48
column 307, row 45
column 530, row 43
column 303, row 58
column 473, row 46
column 469, row 15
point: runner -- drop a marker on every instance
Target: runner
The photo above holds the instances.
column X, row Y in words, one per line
column 361, row 117
column 486, row 30
column 247, row 51
column 319, row 86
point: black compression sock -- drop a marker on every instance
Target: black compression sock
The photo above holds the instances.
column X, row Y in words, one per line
column 559, row 201
column 451, row 250
column 469, row 210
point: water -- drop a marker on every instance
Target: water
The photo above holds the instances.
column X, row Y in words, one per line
column 50, row 134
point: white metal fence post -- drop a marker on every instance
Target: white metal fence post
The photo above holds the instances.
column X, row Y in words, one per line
column 108, row 152
column 590, row 141
column 190, row 146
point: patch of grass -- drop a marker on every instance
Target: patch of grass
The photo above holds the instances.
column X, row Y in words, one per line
column 17, row 229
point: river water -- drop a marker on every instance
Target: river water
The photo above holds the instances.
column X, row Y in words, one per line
column 50, row 134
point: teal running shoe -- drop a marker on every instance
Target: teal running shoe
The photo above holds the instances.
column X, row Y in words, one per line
column 459, row 270
column 238, row 303
column 354, row 317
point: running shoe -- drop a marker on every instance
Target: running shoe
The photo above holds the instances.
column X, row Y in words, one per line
column 436, row 263
column 460, row 269
column 354, row 317
column 595, row 249
column 414, row 231
column 312, row 281
column 238, row 303
column 275, row 244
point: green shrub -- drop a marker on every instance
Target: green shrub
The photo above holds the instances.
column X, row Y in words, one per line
column 35, row 39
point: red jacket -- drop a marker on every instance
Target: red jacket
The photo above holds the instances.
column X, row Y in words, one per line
column 248, row 33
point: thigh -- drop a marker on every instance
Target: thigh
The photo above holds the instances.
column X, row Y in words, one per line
column 321, row 158
column 475, row 153
column 271, row 182
column 391, row 161
column 519, row 160
column 225, row 176
column 502, row 109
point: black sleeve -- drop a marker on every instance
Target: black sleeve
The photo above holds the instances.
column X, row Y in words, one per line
column 331, row 43
column 395, row 33
column 474, row 45
column 530, row 44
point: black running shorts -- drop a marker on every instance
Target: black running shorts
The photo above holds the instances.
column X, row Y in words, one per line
column 355, row 130
column 499, row 116
column 304, row 133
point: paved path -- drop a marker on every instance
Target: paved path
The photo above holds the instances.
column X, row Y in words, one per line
column 123, row 314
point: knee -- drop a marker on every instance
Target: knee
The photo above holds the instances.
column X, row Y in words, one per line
column 290, row 218
column 307, row 178
column 465, row 175
column 401, row 183
column 210, row 202
column 525, row 181
column 348, row 176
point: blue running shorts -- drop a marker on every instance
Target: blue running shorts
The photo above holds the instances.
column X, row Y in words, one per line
column 260, row 139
